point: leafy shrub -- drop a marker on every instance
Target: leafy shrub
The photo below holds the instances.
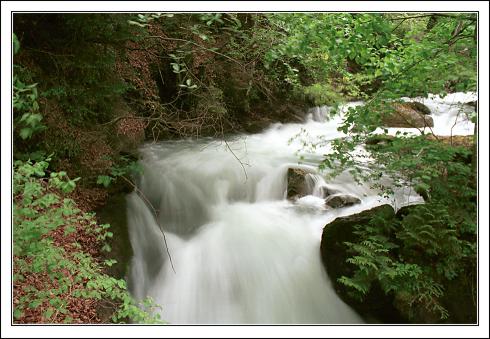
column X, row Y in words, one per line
column 413, row 258
column 419, row 254
column 25, row 102
column 54, row 273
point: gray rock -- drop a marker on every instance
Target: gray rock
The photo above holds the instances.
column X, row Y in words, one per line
column 328, row 191
column 473, row 104
column 418, row 106
column 296, row 183
column 379, row 140
column 404, row 115
column 341, row 200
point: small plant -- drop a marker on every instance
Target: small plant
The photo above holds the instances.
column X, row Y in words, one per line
column 125, row 167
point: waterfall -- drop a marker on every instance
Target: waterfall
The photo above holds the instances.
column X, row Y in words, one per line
column 242, row 252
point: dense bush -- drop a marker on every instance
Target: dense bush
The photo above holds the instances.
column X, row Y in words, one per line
column 428, row 248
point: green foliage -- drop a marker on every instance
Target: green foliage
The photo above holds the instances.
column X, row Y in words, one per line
column 40, row 209
column 78, row 59
column 15, row 43
column 371, row 52
column 142, row 20
column 322, row 94
column 123, row 167
column 25, row 103
column 414, row 257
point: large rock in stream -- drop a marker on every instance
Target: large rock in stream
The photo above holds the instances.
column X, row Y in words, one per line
column 376, row 306
column 302, row 182
column 418, row 106
column 297, row 183
column 409, row 115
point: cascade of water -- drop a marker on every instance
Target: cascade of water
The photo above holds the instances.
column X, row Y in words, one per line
column 242, row 252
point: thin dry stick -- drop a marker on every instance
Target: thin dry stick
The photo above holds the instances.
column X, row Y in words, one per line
column 434, row 14
column 455, row 122
column 432, row 131
column 156, row 218
column 237, row 158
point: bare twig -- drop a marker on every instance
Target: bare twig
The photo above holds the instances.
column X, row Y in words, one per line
column 156, row 218
column 197, row 45
column 434, row 14
column 432, row 132
column 455, row 122
column 49, row 53
column 238, row 159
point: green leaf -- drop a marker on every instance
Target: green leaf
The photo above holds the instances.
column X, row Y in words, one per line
column 15, row 43
column 110, row 262
column 176, row 67
column 131, row 22
column 17, row 313
column 25, row 133
column 104, row 180
column 34, row 119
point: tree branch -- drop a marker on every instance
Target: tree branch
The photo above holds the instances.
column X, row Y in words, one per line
column 197, row 45
column 156, row 218
column 434, row 14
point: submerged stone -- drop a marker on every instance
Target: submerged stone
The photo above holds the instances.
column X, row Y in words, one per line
column 341, row 200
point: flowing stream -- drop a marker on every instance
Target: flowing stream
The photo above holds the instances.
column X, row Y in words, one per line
column 242, row 252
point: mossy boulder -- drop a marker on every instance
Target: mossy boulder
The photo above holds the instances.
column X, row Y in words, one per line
column 459, row 297
column 376, row 306
column 114, row 213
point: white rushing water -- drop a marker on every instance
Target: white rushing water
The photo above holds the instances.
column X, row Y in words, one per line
column 242, row 252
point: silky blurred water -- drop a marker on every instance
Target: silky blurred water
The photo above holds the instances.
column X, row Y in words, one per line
column 242, row 252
